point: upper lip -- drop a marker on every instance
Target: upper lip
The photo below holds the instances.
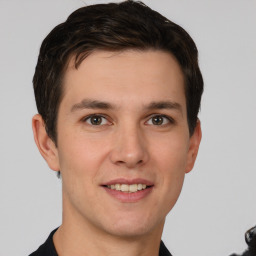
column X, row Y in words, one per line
column 128, row 181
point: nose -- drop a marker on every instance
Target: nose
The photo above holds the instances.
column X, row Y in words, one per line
column 129, row 148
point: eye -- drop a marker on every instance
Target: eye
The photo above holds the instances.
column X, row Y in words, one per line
column 160, row 120
column 96, row 120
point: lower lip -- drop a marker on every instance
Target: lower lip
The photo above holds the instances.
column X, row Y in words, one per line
column 127, row 197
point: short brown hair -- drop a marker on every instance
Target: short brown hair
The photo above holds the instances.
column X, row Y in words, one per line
column 112, row 27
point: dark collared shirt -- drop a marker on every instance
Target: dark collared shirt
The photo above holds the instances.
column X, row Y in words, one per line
column 48, row 249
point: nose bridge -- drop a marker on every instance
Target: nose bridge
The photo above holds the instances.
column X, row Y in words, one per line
column 129, row 145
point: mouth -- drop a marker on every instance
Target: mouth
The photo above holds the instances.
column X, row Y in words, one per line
column 128, row 190
column 132, row 188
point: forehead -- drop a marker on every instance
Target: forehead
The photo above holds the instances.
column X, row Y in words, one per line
column 135, row 76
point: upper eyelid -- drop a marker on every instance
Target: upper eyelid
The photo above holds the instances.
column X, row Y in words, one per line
column 96, row 114
column 85, row 118
column 148, row 117
column 171, row 119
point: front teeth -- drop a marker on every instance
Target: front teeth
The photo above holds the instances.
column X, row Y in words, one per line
column 127, row 188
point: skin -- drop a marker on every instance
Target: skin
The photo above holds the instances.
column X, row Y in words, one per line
column 125, row 144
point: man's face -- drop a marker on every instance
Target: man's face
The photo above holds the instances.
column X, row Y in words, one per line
column 122, row 125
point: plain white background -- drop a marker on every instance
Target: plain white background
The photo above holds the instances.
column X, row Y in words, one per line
column 218, row 201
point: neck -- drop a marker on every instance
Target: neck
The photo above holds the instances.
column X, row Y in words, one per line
column 78, row 237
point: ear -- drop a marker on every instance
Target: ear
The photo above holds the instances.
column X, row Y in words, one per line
column 194, row 143
column 44, row 143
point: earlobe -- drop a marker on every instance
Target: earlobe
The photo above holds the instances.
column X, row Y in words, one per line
column 44, row 143
column 195, row 140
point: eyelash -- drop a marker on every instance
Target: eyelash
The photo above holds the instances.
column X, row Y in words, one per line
column 169, row 119
column 85, row 119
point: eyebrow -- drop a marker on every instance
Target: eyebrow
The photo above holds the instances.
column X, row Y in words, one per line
column 95, row 104
column 164, row 105
column 91, row 104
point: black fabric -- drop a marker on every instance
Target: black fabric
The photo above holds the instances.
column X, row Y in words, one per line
column 163, row 251
column 48, row 249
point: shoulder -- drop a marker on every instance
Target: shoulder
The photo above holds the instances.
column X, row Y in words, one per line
column 163, row 251
column 46, row 249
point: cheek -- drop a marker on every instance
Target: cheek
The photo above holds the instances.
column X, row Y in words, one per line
column 79, row 164
column 81, row 158
column 171, row 159
column 80, row 153
column 171, row 154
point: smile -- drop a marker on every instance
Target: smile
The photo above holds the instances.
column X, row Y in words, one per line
column 128, row 190
column 132, row 188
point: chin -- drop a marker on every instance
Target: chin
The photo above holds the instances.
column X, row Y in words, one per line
column 129, row 232
column 131, row 228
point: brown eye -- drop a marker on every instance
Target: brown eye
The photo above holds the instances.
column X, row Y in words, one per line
column 96, row 120
column 157, row 120
column 160, row 120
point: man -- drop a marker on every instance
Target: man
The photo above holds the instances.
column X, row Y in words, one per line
column 118, row 90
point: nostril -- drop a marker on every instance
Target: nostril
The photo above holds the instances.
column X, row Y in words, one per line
column 120, row 162
column 129, row 162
